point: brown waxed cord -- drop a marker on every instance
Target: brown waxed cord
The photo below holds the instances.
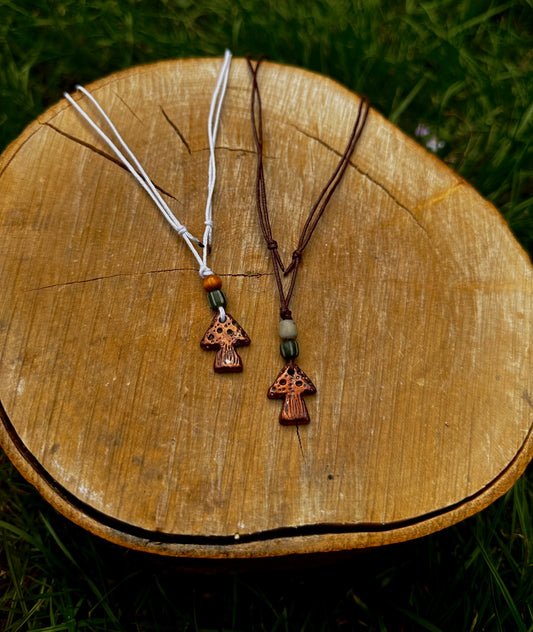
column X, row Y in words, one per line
column 318, row 208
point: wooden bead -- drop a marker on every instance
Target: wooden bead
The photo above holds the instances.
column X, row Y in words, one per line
column 212, row 282
column 287, row 329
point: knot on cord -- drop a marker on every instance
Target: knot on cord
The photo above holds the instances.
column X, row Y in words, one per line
column 205, row 271
column 297, row 255
column 272, row 245
column 296, row 258
column 285, row 313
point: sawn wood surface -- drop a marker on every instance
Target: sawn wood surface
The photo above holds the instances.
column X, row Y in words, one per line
column 414, row 305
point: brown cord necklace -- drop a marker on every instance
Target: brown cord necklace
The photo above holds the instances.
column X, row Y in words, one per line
column 292, row 384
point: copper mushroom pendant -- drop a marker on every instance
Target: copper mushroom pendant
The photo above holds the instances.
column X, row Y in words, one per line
column 291, row 385
column 223, row 337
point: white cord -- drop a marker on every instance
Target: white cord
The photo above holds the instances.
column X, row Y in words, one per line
column 212, row 130
column 143, row 179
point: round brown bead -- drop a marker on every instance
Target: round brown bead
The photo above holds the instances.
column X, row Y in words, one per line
column 212, row 282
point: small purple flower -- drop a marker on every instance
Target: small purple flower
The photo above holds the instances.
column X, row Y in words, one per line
column 422, row 130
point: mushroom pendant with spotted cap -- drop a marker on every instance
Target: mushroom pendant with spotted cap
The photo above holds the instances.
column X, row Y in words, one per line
column 223, row 336
column 292, row 385
column 224, row 333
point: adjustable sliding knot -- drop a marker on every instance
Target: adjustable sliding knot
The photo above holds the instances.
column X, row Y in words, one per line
column 208, row 231
column 208, row 235
column 296, row 258
column 272, row 245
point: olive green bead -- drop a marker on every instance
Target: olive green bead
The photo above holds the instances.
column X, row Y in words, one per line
column 287, row 329
column 289, row 349
column 216, row 299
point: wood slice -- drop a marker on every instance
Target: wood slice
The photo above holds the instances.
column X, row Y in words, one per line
column 414, row 305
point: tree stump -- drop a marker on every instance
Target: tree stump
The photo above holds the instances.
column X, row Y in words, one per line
column 414, row 305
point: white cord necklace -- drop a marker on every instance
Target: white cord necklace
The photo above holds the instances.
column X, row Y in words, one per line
column 224, row 333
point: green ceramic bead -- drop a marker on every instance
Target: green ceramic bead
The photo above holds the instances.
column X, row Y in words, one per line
column 289, row 349
column 287, row 329
column 216, row 299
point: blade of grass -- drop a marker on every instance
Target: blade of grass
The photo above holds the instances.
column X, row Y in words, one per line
column 399, row 110
column 520, row 627
column 426, row 625
column 94, row 588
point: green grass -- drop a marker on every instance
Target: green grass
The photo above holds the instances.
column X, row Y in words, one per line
column 477, row 575
column 464, row 68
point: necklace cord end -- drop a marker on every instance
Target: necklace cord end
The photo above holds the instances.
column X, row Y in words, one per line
column 296, row 258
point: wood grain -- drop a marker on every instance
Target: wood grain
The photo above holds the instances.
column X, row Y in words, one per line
column 414, row 306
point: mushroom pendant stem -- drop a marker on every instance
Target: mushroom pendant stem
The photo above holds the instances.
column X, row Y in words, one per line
column 292, row 385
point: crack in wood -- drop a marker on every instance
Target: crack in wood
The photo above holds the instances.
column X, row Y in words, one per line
column 225, row 148
column 251, row 152
column 176, row 129
column 307, row 529
column 129, row 108
column 84, row 143
column 102, row 278
column 105, row 155
column 134, row 274
column 247, row 275
column 300, row 443
column 365, row 175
